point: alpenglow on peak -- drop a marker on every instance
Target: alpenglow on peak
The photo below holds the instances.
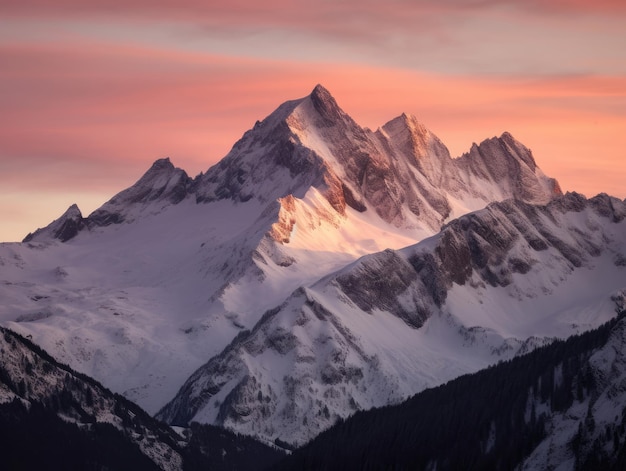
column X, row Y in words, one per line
column 402, row 172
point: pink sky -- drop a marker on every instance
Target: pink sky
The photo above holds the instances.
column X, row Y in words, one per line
column 91, row 93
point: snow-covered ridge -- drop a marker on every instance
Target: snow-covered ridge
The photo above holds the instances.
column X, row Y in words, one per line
column 492, row 284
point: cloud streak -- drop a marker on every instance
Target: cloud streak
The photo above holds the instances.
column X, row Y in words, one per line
column 455, row 36
column 290, row 10
column 98, row 104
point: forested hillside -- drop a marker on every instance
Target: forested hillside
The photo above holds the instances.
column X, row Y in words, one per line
column 53, row 418
column 513, row 414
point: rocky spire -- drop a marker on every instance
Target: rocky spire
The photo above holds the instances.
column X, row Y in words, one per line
column 64, row 228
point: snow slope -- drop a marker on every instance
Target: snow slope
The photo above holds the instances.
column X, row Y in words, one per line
column 141, row 306
column 491, row 285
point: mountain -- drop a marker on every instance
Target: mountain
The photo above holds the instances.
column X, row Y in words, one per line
column 491, row 285
column 402, row 172
column 161, row 278
column 54, row 418
column 560, row 407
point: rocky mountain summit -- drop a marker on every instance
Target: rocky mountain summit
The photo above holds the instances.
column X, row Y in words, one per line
column 402, row 172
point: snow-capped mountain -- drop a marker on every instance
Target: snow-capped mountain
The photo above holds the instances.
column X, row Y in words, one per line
column 162, row 277
column 402, row 172
column 254, row 267
column 490, row 285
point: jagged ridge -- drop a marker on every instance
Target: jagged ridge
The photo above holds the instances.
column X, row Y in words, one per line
column 334, row 361
column 403, row 172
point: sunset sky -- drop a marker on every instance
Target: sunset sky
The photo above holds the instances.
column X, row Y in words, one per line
column 92, row 92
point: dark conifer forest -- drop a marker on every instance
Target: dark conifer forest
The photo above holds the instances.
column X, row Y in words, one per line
column 56, row 428
column 483, row 421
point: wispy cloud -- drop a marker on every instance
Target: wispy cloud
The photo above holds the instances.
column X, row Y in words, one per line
column 290, row 10
column 455, row 36
column 89, row 105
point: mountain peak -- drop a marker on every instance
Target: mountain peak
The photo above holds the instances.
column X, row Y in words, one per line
column 161, row 181
column 162, row 164
column 321, row 92
column 403, row 124
column 291, row 150
column 72, row 211
column 64, row 228
column 508, row 162
column 523, row 152
column 325, row 105
column 160, row 168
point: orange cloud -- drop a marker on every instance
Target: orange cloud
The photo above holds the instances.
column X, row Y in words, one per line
column 361, row 20
column 287, row 8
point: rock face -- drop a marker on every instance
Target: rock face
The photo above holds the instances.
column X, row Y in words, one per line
column 334, row 348
column 508, row 161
